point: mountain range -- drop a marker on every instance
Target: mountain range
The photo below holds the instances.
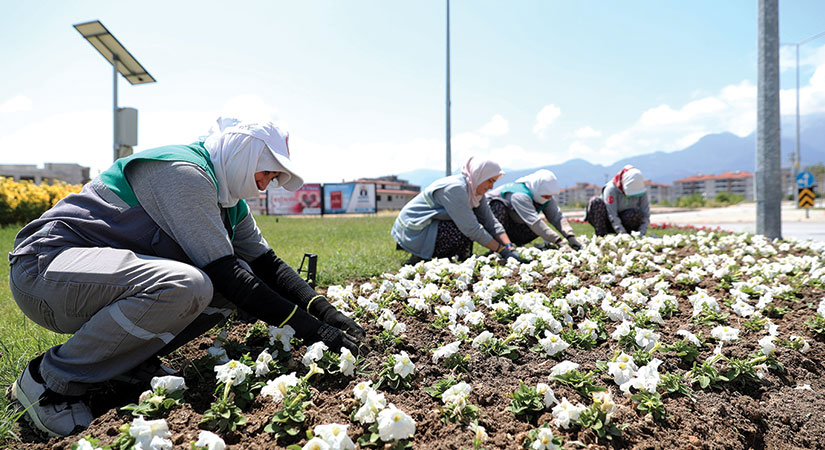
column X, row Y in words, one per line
column 712, row 154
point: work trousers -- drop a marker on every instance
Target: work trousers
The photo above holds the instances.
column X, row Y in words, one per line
column 596, row 214
column 122, row 307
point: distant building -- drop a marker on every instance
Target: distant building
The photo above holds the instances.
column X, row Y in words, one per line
column 69, row 173
column 658, row 192
column 578, row 194
column 391, row 193
column 738, row 182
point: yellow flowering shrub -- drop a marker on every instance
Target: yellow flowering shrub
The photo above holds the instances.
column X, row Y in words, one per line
column 24, row 201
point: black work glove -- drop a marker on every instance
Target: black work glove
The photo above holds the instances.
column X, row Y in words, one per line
column 507, row 253
column 545, row 245
column 252, row 295
column 322, row 309
column 312, row 330
column 574, row 243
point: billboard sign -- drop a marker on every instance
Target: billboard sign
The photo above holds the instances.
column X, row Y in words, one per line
column 343, row 198
column 306, row 200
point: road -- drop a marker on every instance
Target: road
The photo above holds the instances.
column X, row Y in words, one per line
column 741, row 218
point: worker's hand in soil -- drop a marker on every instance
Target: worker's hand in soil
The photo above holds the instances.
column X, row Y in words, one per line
column 574, row 243
column 322, row 309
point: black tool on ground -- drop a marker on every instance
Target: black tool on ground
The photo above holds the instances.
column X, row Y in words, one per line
column 312, row 265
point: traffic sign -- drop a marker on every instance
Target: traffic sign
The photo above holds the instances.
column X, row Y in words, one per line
column 806, row 198
column 805, row 179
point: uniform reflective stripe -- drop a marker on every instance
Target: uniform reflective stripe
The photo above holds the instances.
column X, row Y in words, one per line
column 288, row 317
column 211, row 311
column 135, row 330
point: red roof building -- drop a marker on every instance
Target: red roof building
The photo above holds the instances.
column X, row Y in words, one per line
column 738, row 182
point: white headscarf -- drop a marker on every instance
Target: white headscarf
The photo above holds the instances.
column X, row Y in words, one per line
column 240, row 149
column 477, row 171
column 541, row 182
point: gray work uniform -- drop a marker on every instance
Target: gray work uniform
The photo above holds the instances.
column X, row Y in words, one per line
column 416, row 227
column 616, row 201
column 522, row 209
column 126, row 280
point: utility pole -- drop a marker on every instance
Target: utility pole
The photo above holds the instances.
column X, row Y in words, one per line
column 449, row 156
column 768, row 152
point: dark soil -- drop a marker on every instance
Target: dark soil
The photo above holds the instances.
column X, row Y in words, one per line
column 774, row 413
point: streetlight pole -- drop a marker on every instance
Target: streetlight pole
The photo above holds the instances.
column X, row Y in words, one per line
column 798, row 145
column 449, row 169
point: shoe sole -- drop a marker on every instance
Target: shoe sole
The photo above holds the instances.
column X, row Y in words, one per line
column 19, row 396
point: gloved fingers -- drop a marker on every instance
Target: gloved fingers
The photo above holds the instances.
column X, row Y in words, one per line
column 345, row 323
column 352, row 328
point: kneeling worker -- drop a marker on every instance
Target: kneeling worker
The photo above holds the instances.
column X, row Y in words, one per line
column 518, row 207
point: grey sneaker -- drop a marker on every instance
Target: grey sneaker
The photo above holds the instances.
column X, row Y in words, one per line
column 144, row 372
column 50, row 412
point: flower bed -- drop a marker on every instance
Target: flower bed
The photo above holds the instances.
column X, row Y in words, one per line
column 696, row 340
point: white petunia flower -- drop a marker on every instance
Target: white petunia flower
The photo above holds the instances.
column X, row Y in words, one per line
column 622, row 372
column 335, row 435
column 278, row 387
column 233, row 371
column 282, row 335
column 482, row 337
column 725, row 333
column 210, row 440
column 361, row 390
column 690, row 337
column 547, row 394
column 374, row 402
column 544, row 440
column 314, row 353
column 562, row 368
column 83, row 444
column 394, row 424
column 606, row 403
column 767, row 346
column 646, row 339
column 525, row 324
column 622, row 330
column 588, row 327
column 553, row 344
column 565, row 412
column 171, row 383
column 150, row 434
column 445, row 351
column 262, row 363
column 474, row 318
column 799, row 341
column 316, row 443
column 646, row 378
column 479, row 432
column 821, row 308
column 403, row 365
column 347, row 364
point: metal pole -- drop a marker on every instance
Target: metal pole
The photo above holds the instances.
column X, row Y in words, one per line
column 449, row 169
column 798, row 162
column 768, row 152
column 114, row 109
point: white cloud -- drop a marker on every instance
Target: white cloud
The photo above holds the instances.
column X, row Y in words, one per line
column 19, row 103
column 497, row 126
column 587, row 132
column 544, row 118
column 666, row 128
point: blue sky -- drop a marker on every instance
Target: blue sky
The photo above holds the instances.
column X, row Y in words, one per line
column 360, row 84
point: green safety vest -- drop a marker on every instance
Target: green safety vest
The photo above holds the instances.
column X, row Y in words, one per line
column 523, row 189
column 115, row 179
